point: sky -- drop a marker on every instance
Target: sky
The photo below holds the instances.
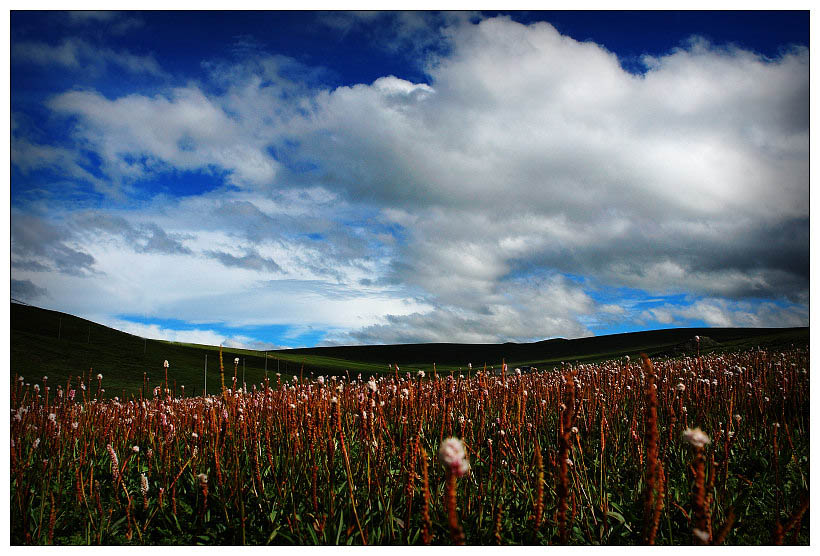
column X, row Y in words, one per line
column 296, row 179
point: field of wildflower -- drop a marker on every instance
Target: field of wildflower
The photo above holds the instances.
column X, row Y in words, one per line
column 694, row 450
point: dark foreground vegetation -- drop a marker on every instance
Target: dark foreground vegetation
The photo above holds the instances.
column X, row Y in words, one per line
column 702, row 449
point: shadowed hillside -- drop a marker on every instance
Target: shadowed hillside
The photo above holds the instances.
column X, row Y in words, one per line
column 58, row 345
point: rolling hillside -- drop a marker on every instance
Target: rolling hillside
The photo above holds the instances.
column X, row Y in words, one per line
column 58, row 345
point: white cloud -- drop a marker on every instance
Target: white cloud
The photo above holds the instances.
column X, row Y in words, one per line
column 193, row 336
column 727, row 314
column 138, row 136
column 533, row 149
column 180, row 260
column 77, row 54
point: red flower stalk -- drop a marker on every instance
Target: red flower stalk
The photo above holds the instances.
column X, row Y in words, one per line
column 700, row 512
column 203, row 485
column 452, row 456
column 427, row 525
column 653, row 503
column 565, row 431
column 539, row 487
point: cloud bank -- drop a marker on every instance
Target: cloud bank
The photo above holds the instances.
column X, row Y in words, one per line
column 506, row 198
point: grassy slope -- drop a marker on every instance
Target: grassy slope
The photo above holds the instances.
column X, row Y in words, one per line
column 36, row 351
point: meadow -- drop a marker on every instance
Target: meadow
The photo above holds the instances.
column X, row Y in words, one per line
column 701, row 449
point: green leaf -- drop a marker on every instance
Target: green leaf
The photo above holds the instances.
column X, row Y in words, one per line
column 341, row 525
column 616, row 515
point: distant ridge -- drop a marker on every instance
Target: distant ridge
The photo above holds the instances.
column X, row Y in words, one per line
column 657, row 341
column 60, row 345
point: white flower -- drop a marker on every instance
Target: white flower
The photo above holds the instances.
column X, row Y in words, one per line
column 696, row 437
column 165, row 364
column 680, row 387
column 236, row 361
column 702, row 535
column 451, row 454
column 136, row 449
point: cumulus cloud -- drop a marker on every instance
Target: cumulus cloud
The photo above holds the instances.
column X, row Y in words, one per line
column 530, row 149
column 138, row 136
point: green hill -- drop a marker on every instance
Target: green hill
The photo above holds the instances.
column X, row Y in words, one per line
column 58, row 345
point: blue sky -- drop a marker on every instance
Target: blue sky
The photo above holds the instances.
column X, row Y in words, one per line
column 271, row 179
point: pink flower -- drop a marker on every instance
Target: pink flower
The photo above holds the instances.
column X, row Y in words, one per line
column 696, row 437
column 452, row 456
